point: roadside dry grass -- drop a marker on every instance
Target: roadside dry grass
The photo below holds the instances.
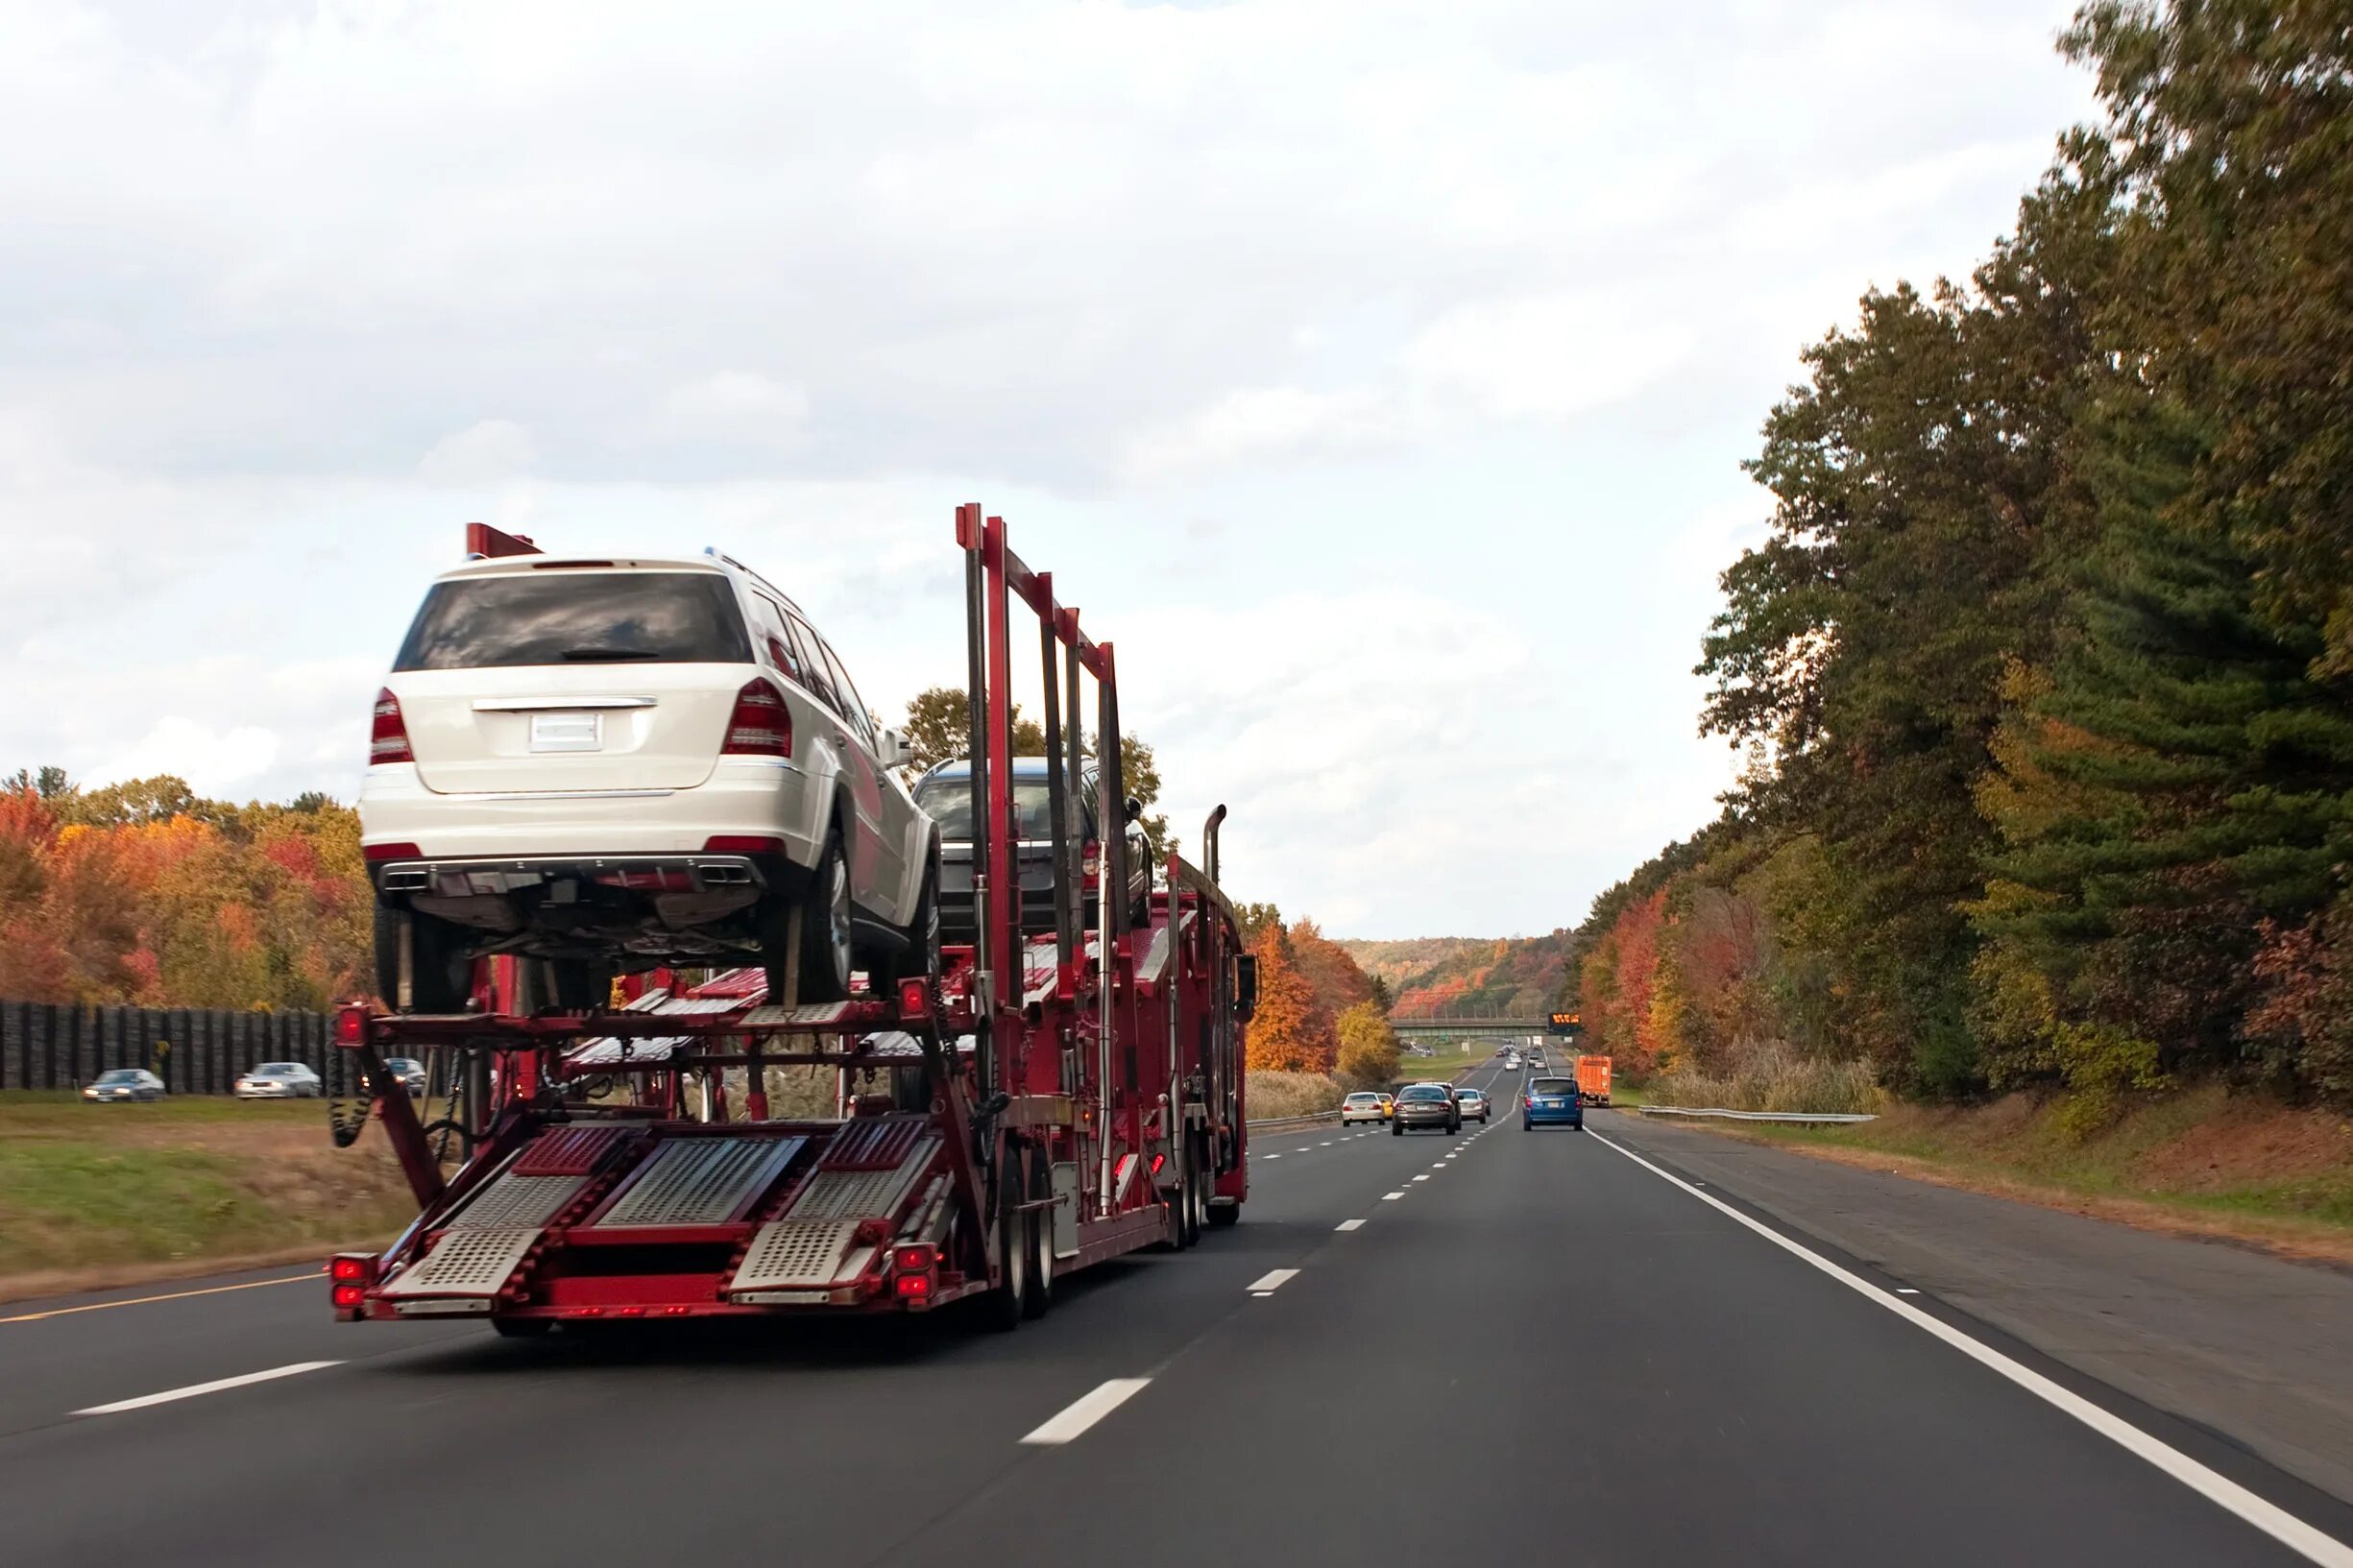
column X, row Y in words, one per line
column 95, row 1196
column 2204, row 1162
column 1273, row 1094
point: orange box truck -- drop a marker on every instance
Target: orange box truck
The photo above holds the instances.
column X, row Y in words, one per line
column 1593, row 1079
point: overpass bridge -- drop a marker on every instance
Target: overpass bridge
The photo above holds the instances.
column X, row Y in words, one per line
column 1499, row 1028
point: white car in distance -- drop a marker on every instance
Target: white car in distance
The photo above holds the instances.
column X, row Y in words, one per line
column 612, row 764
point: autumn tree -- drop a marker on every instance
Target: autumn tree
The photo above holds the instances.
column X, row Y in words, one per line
column 1291, row 1030
column 1369, row 1047
column 1339, row 983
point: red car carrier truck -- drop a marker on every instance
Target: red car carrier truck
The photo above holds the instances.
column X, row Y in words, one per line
column 1018, row 1109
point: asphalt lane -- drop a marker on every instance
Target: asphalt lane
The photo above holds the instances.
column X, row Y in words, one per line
column 1539, row 1348
column 843, row 1435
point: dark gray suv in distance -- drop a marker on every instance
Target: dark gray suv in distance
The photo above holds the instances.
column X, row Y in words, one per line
column 945, row 796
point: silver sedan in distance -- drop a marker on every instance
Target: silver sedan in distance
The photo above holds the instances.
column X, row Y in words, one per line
column 280, row 1081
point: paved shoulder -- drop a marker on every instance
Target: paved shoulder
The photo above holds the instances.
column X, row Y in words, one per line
column 2250, row 1345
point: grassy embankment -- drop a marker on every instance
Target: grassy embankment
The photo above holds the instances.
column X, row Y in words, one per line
column 93, row 1195
column 2201, row 1161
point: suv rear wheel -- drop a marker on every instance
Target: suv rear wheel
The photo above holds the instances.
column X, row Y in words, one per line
column 825, row 953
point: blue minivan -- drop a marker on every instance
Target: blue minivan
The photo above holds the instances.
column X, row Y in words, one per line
column 1551, row 1102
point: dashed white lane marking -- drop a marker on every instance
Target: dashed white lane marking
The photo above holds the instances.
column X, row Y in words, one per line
column 212, row 1388
column 1273, row 1156
column 2217, row 1489
column 1324, row 1146
column 1349, row 1224
column 1273, row 1280
column 1086, row 1411
column 1301, row 1150
column 1905, row 1289
column 1442, row 1165
column 1390, row 1198
column 1424, row 1176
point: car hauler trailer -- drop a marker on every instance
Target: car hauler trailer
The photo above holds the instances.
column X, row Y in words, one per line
column 1053, row 1100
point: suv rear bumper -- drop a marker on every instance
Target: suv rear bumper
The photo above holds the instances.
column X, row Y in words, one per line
column 744, row 798
column 646, row 874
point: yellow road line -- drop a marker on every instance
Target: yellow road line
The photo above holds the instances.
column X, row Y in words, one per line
column 175, row 1296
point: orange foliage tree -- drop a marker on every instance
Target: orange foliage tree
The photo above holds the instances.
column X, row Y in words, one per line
column 1292, row 1031
column 1339, row 983
column 145, row 893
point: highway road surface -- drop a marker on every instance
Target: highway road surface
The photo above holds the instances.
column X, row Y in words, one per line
column 1534, row 1348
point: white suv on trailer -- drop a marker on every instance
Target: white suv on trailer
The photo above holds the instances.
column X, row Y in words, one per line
column 612, row 764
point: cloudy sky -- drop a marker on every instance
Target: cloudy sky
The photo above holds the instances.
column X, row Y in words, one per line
column 1375, row 375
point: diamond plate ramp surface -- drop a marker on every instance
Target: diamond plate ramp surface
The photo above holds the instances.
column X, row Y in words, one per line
column 514, row 1201
column 571, row 1152
column 861, row 1195
column 467, row 1263
column 801, row 1254
column 880, row 1144
column 700, row 1181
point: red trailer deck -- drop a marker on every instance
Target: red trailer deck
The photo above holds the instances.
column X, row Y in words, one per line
column 1040, row 1104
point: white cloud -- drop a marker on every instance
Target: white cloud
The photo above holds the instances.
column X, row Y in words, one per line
column 1550, row 358
column 1257, row 423
column 737, row 406
column 212, row 761
column 1454, row 321
column 486, row 452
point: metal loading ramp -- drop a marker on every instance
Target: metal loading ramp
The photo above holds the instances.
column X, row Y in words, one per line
column 468, row 1267
column 813, row 1247
column 700, row 1181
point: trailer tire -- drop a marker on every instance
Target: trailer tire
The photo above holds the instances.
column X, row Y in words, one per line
column 1038, row 1224
column 1006, row 1304
column 519, row 1328
column 1225, row 1216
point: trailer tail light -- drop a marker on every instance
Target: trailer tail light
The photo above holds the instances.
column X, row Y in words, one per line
column 914, row 999
column 914, row 1269
column 351, row 1027
column 351, row 1274
column 387, row 735
column 761, row 725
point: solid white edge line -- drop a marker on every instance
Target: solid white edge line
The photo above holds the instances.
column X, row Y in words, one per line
column 1086, row 1411
column 1349, row 1224
column 2215, row 1488
column 212, row 1388
column 1275, row 1279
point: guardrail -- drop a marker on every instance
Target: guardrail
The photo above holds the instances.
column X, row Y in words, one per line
column 1760, row 1116
column 1277, row 1123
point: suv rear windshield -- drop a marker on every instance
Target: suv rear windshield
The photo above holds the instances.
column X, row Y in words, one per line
column 577, row 618
column 1553, row 1086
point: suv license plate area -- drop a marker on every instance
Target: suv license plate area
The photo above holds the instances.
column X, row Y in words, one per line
column 567, row 731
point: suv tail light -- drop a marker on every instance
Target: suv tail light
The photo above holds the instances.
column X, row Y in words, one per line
column 387, row 735
column 760, row 725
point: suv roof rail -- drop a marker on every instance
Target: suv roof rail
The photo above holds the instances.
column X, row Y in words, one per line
column 722, row 555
